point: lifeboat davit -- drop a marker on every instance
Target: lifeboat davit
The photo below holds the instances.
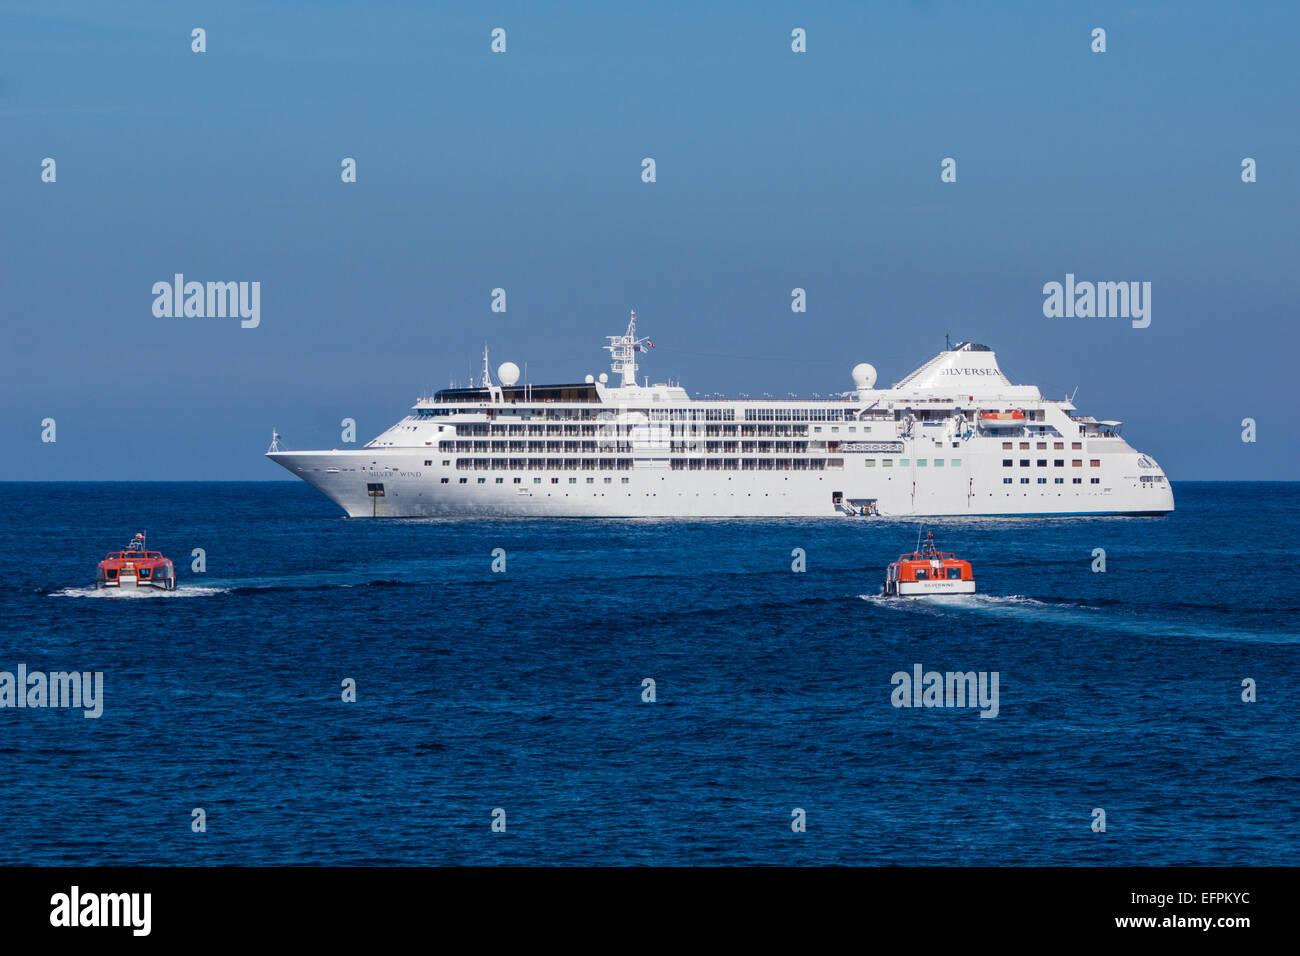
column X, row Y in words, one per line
column 929, row 571
column 136, row 567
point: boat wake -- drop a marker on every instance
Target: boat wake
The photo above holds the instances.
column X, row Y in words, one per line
column 968, row 601
column 233, row 587
column 1066, row 613
column 128, row 594
column 307, row 586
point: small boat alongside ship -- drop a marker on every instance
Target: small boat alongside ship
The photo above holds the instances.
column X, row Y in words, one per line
column 136, row 567
column 1012, row 419
column 928, row 571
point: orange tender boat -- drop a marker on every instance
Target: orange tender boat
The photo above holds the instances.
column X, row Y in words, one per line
column 929, row 571
column 136, row 567
column 1002, row 419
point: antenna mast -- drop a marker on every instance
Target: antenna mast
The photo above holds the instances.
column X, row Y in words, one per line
column 622, row 350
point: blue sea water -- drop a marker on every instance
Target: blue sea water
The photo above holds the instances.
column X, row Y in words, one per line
column 522, row 690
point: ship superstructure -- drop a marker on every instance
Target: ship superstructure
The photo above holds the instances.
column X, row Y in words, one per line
column 954, row 437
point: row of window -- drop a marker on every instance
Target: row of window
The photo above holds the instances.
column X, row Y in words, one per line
column 923, row 574
column 794, row 414
column 1042, row 445
column 734, row 464
column 623, row 464
column 506, row 446
column 543, row 464
column 1057, row 481
column 1056, row 462
column 717, row 447
column 530, row 413
column 676, row 415
column 537, row 481
column 907, row 462
column 755, row 464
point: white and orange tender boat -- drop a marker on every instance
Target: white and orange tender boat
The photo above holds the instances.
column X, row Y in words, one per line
column 1011, row 419
column 929, row 571
column 136, row 567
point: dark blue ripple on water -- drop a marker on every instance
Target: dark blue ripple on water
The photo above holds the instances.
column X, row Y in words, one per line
column 522, row 690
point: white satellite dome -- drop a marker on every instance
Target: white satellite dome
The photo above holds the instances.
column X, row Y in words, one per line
column 590, row 378
column 864, row 375
column 603, row 378
column 508, row 373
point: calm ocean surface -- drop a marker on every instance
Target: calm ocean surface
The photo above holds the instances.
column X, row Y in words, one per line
column 522, row 690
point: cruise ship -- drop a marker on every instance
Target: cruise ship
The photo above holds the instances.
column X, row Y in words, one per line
column 954, row 437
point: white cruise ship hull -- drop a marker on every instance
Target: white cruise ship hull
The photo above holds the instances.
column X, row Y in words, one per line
column 412, row 489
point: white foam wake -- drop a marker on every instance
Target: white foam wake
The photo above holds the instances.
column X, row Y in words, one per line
column 127, row 594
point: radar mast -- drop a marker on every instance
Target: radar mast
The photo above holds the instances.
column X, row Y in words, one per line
column 622, row 350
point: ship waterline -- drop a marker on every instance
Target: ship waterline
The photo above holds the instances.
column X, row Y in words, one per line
column 954, row 437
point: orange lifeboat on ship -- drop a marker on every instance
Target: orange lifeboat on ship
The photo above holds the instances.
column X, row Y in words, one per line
column 1002, row 419
column 929, row 571
column 136, row 567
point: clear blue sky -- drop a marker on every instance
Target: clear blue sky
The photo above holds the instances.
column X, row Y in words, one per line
column 522, row 170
